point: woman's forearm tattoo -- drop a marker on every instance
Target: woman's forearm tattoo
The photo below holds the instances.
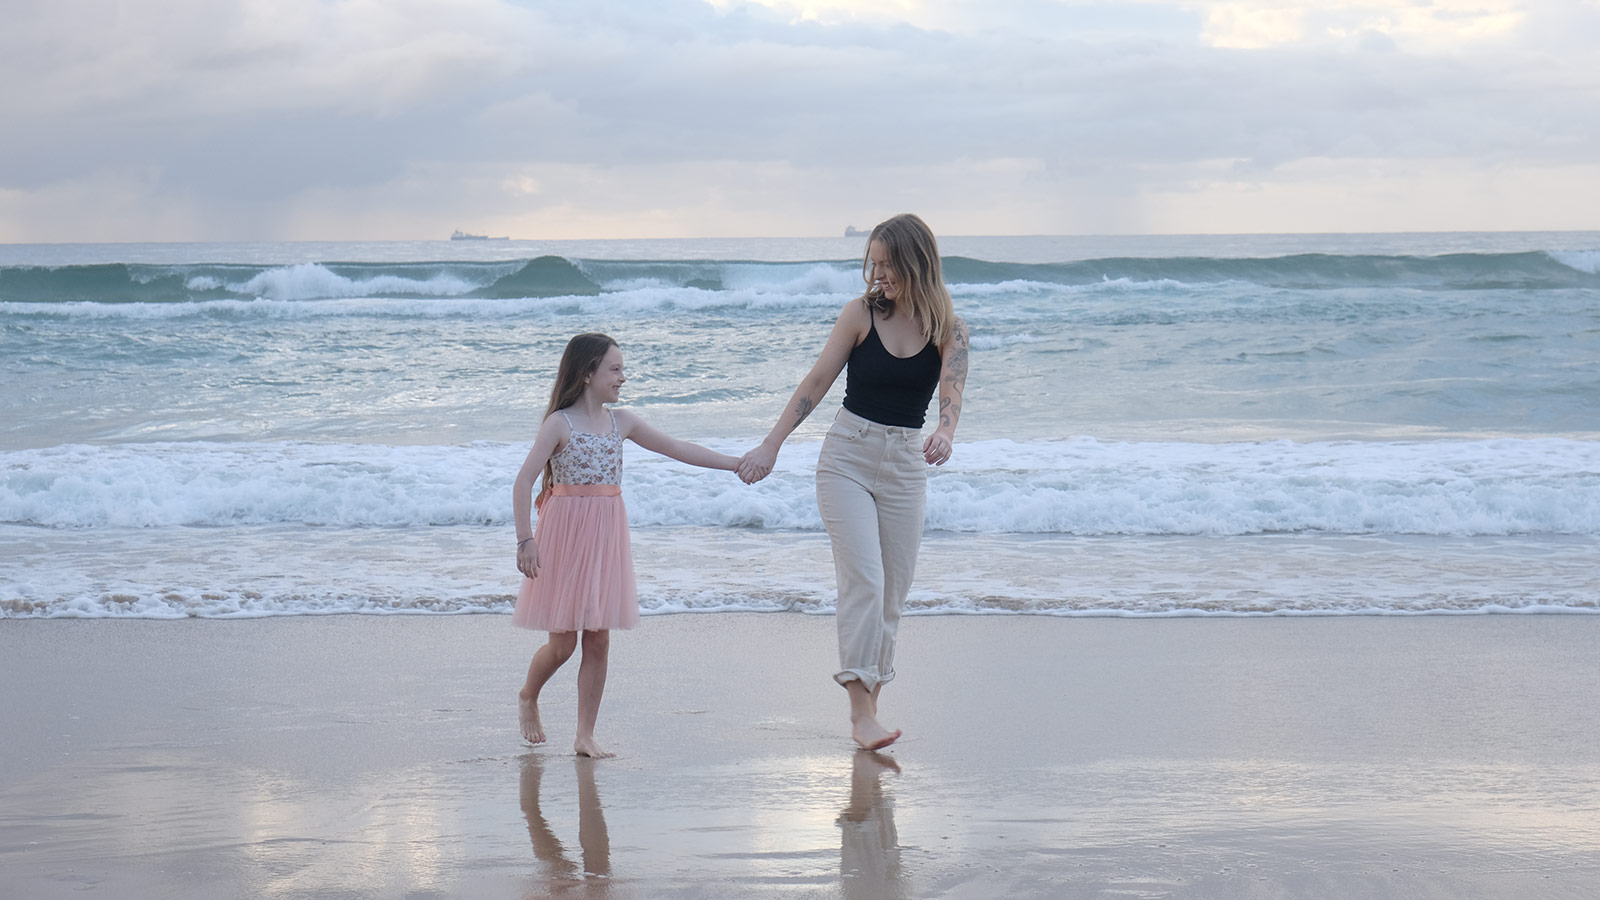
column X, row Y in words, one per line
column 802, row 409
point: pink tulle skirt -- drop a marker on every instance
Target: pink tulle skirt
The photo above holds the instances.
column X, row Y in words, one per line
column 585, row 580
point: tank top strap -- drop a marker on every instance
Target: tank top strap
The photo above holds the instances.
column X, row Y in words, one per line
column 568, row 418
column 613, row 420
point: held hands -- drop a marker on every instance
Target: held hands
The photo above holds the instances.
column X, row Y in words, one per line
column 528, row 558
column 757, row 464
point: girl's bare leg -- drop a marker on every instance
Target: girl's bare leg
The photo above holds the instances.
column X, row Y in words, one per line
column 545, row 662
column 864, row 727
column 591, row 687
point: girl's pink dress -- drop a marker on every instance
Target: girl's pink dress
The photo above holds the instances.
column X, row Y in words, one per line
column 585, row 580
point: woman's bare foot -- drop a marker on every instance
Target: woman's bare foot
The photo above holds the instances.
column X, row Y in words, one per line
column 585, row 746
column 528, row 718
column 870, row 735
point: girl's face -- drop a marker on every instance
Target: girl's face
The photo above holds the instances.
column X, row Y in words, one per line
column 884, row 277
column 608, row 379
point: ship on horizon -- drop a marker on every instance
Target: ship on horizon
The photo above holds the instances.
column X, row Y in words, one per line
column 459, row 235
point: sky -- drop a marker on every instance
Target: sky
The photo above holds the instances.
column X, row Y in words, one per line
column 237, row 120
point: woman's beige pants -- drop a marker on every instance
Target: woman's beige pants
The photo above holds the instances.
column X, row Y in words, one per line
column 872, row 489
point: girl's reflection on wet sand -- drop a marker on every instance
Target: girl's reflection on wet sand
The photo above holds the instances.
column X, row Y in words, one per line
column 561, row 875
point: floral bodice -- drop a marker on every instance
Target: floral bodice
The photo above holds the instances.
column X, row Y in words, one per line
column 589, row 457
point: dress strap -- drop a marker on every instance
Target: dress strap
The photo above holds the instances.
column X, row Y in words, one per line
column 568, row 418
column 613, row 420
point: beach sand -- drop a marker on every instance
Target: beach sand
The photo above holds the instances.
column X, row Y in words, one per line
column 367, row 756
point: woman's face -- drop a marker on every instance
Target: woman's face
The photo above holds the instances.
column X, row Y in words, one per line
column 883, row 275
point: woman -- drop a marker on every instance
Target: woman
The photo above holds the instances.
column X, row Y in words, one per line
column 899, row 340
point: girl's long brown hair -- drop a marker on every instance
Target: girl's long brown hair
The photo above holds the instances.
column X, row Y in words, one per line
column 578, row 362
column 914, row 255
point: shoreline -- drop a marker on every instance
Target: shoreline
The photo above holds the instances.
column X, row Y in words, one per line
column 350, row 755
column 290, row 569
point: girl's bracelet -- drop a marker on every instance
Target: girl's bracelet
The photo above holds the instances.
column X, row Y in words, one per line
column 523, row 541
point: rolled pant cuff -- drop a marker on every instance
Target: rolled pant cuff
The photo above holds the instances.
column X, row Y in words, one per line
column 868, row 677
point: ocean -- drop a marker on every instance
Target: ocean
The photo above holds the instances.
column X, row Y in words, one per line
column 1155, row 426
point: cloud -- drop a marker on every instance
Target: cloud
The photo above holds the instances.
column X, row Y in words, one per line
column 362, row 118
column 1436, row 25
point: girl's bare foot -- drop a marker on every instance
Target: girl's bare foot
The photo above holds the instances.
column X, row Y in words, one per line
column 585, row 746
column 528, row 718
column 870, row 735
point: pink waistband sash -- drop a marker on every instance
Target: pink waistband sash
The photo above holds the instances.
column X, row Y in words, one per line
column 585, row 490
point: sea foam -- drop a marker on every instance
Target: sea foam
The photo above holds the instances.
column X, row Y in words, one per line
column 1077, row 486
column 1587, row 261
column 310, row 281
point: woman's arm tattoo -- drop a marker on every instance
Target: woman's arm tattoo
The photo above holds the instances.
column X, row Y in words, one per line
column 958, row 357
column 802, row 409
column 955, row 378
column 958, row 367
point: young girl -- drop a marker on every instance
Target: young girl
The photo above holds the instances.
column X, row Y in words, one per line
column 578, row 567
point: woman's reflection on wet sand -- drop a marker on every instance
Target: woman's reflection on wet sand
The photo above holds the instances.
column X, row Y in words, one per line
column 869, row 852
column 561, row 875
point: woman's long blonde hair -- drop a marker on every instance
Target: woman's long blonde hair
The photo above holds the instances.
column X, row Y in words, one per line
column 578, row 362
column 914, row 255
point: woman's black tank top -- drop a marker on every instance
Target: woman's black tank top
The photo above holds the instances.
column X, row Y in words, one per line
column 889, row 389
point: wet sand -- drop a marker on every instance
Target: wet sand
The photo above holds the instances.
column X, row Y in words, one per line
column 364, row 756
